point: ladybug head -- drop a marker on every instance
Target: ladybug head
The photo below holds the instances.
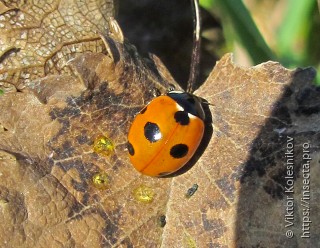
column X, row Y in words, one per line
column 189, row 102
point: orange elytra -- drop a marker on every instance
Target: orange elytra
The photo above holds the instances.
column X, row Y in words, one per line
column 166, row 133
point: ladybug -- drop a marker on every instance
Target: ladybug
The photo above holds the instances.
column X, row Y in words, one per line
column 166, row 133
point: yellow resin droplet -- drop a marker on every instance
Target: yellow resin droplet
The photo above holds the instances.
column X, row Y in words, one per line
column 103, row 146
column 100, row 180
column 144, row 194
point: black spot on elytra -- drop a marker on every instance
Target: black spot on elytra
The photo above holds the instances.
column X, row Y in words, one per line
column 130, row 148
column 179, row 151
column 143, row 110
column 182, row 118
column 152, row 132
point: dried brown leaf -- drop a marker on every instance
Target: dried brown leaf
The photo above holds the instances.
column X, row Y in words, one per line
column 47, row 160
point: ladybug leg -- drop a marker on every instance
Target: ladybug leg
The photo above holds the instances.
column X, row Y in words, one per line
column 171, row 88
column 155, row 92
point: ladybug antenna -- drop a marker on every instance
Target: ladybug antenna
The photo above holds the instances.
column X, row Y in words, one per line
column 195, row 56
